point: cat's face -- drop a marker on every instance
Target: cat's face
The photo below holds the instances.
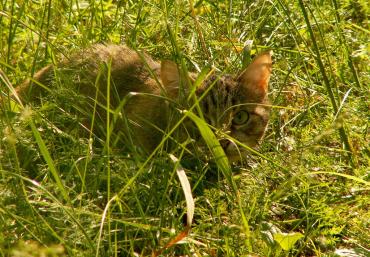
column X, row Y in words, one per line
column 237, row 107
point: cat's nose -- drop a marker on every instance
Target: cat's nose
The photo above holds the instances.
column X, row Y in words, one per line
column 224, row 143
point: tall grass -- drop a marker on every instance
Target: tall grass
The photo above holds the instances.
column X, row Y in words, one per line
column 304, row 192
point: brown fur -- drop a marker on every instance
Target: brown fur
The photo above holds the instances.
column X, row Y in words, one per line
column 86, row 73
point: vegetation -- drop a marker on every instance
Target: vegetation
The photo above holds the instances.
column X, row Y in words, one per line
column 304, row 193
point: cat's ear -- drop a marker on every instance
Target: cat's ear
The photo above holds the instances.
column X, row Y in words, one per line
column 256, row 76
column 170, row 74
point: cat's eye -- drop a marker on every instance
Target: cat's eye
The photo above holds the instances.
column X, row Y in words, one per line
column 241, row 118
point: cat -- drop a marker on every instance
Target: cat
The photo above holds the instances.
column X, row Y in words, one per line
column 236, row 105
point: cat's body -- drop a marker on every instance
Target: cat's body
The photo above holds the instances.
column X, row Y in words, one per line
column 236, row 106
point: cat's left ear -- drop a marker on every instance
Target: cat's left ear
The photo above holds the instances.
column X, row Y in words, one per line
column 256, row 76
column 170, row 74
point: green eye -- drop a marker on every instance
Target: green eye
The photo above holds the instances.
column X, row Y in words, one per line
column 241, row 118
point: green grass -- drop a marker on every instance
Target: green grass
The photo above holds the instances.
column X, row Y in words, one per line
column 305, row 193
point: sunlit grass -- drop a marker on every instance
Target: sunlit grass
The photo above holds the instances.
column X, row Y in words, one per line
column 64, row 192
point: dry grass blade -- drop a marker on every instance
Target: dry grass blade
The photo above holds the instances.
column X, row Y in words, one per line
column 187, row 190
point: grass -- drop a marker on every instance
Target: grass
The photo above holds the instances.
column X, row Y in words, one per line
column 305, row 193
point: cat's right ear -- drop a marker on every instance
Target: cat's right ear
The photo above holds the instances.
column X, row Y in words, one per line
column 256, row 76
column 170, row 74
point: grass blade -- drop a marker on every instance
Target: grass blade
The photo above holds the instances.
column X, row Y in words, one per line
column 187, row 190
column 47, row 157
column 342, row 131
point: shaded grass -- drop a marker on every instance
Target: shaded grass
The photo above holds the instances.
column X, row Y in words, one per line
column 118, row 202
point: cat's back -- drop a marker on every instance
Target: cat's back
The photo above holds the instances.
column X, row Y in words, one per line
column 127, row 69
column 120, row 58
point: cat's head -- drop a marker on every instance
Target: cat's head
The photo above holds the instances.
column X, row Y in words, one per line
column 237, row 106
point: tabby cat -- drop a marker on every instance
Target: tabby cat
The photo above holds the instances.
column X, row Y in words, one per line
column 237, row 106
